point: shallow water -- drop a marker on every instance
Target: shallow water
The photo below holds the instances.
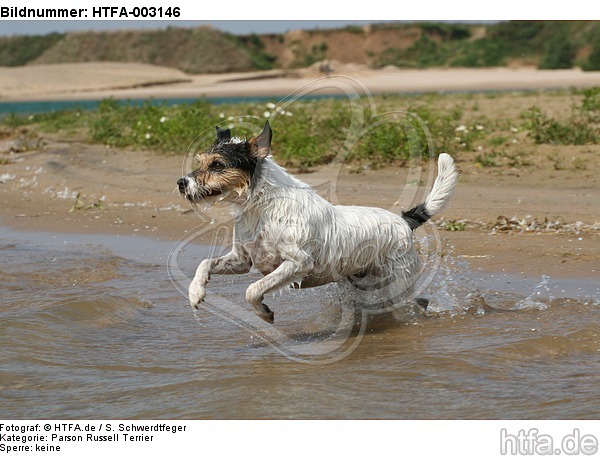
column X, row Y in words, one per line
column 93, row 327
column 40, row 107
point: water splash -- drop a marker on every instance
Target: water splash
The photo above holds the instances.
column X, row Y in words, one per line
column 457, row 289
column 540, row 293
column 453, row 290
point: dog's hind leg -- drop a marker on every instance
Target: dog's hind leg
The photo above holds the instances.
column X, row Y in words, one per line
column 235, row 262
column 281, row 277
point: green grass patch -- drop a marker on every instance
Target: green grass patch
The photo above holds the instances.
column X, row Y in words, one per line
column 487, row 159
column 577, row 130
column 498, row 140
column 309, row 133
column 454, row 225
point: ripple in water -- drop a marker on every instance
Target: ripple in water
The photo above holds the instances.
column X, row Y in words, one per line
column 93, row 328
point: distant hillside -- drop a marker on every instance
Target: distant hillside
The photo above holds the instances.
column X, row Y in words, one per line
column 200, row 50
column 548, row 44
column 423, row 45
column 20, row 50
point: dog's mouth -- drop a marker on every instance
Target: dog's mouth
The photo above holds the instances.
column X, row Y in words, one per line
column 202, row 195
column 207, row 196
column 210, row 193
column 196, row 194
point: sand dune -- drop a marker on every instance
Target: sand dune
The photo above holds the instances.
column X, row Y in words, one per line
column 49, row 81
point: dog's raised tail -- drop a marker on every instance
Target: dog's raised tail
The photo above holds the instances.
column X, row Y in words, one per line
column 441, row 192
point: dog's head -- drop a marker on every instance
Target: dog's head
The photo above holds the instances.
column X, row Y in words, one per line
column 225, row 171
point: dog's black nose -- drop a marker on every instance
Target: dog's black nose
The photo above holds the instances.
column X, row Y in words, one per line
column 181, row 184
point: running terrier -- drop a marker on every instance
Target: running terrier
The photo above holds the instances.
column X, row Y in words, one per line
column 296, row 238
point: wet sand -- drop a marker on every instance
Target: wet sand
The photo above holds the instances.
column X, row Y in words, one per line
column 131, row 192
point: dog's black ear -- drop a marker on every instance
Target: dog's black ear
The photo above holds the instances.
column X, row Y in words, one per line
column 223, row 135
column 263, row 142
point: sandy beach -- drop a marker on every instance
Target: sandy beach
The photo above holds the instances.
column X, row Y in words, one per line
column 135, row 189
column 88, row 81
column 134, row 192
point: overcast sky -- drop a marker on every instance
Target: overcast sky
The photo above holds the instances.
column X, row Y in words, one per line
column 237, row 27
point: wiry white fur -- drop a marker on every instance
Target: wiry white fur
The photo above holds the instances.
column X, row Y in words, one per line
column 236, row 140
column 294, row 236
column 443, row 186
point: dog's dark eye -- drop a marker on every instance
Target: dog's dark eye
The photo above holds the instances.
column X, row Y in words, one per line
column 217, row 166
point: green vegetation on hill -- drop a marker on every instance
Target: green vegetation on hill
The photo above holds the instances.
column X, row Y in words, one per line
column 255, row 47
column 200, row 50
column 20, row 50
column 548, row 44
column 593, row 61
column 553, row 44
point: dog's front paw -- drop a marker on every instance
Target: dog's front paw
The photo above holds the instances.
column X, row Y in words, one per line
column 196, row 294
column 197, row 290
